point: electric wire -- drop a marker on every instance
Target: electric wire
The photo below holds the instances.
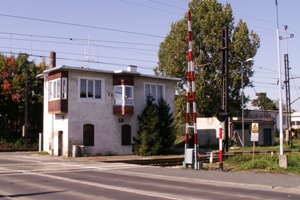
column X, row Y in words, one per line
column 79, row 39
column 79, row 25
column 72, row 59
column 153, row 8
column 165, row 4
column 91, row 44
column 77, row 54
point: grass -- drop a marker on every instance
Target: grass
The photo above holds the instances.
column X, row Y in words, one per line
column 276, row 147
column 262, row 163
column 19, row 144
column 265, row 163
column 42, row 153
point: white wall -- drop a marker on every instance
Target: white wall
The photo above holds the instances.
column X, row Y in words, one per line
column 107, row 138
column 295, row 117
column 208, row 131
column 97, row 113
column 51, row 125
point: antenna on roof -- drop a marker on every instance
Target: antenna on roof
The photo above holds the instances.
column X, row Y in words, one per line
column 87, row 53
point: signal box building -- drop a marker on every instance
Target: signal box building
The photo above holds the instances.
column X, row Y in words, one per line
column 97, row 109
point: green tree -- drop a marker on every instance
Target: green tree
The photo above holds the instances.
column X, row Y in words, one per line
column 15, row 74
column 263, row 102
column 156, row 129
column 208, row 19
column 166, row 128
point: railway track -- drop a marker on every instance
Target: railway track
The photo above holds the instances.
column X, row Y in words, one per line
column 168, row 161
column 163, row 161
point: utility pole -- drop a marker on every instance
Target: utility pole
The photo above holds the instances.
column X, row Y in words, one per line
column 26, row 124
column 279, row 85
column 225, row 71
column 287, row 85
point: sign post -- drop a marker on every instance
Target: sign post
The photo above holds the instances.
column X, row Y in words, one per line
column 254, row 136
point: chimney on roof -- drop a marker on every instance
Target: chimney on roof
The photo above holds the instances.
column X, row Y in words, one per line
column 132, row 68
column 52, row 63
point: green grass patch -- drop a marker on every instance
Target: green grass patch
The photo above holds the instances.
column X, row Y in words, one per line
column 43, row 153
column 276, row 147
column 19, row 144
column 263, row 163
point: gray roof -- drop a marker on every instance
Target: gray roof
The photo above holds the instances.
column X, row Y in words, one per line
column 83, row 69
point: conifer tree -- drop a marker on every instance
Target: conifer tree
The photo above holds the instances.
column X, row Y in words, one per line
column 167, row 125
column 156, row 130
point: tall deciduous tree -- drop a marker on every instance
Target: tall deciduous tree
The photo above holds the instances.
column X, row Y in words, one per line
column 15, row 74
column 208, row 19
column 263, row 102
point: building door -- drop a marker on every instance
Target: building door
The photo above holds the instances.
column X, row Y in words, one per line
column 267, row 137
column 126, row 134
column 60, row 143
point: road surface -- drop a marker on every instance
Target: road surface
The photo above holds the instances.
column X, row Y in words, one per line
column 24, row 176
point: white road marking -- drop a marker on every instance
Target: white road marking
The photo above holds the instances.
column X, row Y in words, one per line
column 123, row 189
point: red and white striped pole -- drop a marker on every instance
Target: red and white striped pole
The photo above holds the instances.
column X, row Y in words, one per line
column 191, row 96
column 192, row 77
column 220, row 146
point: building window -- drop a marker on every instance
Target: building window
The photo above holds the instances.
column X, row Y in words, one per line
column 54, row 89
column 88, row 135
column 123, row 95
column 64, row 88
column 154, row 91
column 58, row 89
column 90, row 89
column 126, row 134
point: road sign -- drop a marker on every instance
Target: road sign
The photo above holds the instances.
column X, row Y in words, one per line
column 254, row 132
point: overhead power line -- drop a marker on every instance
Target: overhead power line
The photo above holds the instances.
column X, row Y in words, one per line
column 79, row 39
column 80, row 25
column 153, row 8
column 77, row 60
column 165, row 4
column 77, row 54
column 47, row 41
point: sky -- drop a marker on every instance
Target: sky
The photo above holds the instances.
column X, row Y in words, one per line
column 112, row 34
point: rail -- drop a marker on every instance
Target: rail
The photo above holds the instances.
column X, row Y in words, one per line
column 168, row 161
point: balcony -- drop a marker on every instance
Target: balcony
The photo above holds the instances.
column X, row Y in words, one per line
column 123, row 110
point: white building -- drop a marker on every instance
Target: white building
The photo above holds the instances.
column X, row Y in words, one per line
column 208, row 131
column 97, row 108
column 274, row 114
column 295, row 120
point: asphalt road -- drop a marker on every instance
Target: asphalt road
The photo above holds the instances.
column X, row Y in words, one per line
column 25, row 176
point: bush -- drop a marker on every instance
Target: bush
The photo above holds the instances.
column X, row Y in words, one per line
column 156, row 130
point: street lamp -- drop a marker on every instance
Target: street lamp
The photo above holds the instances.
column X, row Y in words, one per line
column 242, row 74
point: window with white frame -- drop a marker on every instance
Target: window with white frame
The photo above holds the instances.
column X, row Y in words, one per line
column 154, row 91
column 54, row 89
column 64, row 88
column 123, row 95
column 90, row 88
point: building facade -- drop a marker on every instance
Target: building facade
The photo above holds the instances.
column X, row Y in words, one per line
column 208, row 131
column 273, row 114
column 97, row 109
column 295, row 120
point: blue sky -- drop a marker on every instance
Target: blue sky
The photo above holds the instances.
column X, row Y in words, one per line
column 124, row 32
